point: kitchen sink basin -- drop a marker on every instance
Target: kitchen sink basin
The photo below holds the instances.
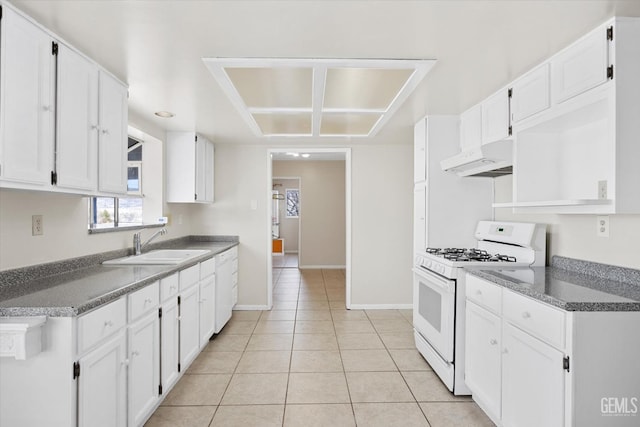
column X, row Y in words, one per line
column 159, row 257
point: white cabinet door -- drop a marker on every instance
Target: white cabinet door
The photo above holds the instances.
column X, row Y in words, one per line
column 580, row 67
column 27, row 109
column 532, row 381
column 471, row 128
column 201, row 169
column 77, row 121
column 144, row 367
column 483, row 367
column 112, row 142
column 531, row 94
column 169, row 353
column 419, row 217
column 204, row 170
column 420, row 151
column 207, row 309
column 102, row 390
column 209, row 167
column 189, row 326
column 495, row 117
column 224, row 289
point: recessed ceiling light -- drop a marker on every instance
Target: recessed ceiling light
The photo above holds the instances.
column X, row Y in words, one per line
column 306, row 155
column 164, row 114
column 293, row 154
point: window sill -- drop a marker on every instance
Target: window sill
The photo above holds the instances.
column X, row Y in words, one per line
column 124, row 228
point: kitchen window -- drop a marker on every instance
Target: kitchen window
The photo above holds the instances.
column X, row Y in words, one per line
column 136, row 209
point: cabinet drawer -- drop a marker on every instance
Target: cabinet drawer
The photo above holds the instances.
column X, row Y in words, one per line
column 169, row 287
column 234, row 278
column 485, row 294
column 540, row 319
column 207, row 268
column 234, row 265
column 143, row 300
column 234, row 252
column 101, row 323
column 189, row 276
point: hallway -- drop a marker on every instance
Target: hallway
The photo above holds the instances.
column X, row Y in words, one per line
column 311, row 362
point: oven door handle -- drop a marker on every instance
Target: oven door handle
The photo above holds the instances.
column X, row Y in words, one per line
column 447, row 284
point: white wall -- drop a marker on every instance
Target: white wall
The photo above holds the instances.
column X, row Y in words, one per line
column 574, row 236
column 382, row 195
column 322, row 211
column 382, row 230
column 289, row 227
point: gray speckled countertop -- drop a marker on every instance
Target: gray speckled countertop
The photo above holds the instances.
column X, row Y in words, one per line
column 76, row 286
column 572, row 285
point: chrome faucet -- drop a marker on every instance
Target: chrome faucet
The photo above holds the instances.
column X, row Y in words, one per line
column 138, row 246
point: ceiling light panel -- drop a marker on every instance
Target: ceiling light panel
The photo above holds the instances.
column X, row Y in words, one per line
column 317, row 97
column 273, row 88
column 284, row 124
column 363, row 88
column 348, row 124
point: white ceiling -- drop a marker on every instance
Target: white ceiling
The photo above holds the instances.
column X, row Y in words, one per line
column 157, row 48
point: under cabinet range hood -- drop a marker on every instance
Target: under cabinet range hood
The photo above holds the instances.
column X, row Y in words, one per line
column 488, row 160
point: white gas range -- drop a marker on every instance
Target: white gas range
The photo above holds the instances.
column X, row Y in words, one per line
column 439, row 291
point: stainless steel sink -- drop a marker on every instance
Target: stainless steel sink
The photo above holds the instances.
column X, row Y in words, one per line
column 159, row 257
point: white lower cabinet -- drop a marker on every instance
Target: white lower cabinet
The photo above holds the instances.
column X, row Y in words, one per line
column 102, row 391
column 144, row 367
column 532, row 364
column 169, row 347
column 189, row 326
column 532, row 381
column 112, row 366
column 483, row 371
column 207, row 309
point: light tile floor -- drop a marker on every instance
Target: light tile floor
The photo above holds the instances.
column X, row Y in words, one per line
column 310, row 362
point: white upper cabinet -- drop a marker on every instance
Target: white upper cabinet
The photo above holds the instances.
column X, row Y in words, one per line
column 112, row 141
column 190, row 160
column 77, row 121
column 530, row 94
column 496, row 124
column 580, row 155
column 471, row 128
column 63, row 121
column 582, row 66
column 27, row 102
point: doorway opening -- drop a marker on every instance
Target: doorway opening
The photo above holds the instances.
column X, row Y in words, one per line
column 324, row 216
column 285, row 205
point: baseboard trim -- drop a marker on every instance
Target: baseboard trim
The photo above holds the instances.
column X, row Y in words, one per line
column 325, row 267
column 250, row 307
column 290, row 252
column 381, row 306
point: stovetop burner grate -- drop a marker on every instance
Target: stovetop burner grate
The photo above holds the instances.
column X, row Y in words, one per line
column 478, row 255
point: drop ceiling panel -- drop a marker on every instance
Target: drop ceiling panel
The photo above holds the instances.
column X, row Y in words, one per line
column 317, row 97
column 363, row 88
column 348, row 124
column 273, row 87
column 284, row 124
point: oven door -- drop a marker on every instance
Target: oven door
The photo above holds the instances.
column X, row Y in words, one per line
column 434, row 299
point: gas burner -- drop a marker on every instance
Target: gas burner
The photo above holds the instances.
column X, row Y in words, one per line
column 472, row 254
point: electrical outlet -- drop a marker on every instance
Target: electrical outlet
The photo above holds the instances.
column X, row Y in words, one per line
column 602, row 190
column 603, row 226
column 36, row 225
